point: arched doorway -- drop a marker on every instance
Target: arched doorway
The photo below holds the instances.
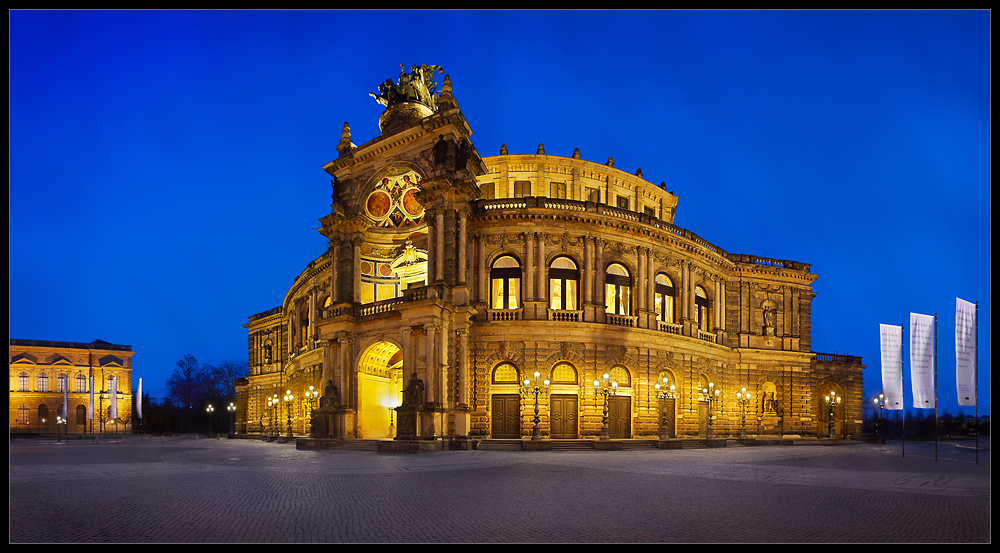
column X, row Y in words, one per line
column 505, row 402
column 830, row 403
column 380, row 384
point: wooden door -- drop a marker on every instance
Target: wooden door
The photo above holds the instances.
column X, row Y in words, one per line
column 619, row 417
column 506, row 416
column 563, row 417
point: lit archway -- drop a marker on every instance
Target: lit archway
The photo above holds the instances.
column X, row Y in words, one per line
column 380, row 386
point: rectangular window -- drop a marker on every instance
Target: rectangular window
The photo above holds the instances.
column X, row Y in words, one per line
column 61, row 383
column 522, row 188
column 622, row 202
column 651, row 211
column 488, row 190
column 557, row 190
column 594, row 195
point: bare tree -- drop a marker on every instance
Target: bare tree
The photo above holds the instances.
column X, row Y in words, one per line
column 184, row 385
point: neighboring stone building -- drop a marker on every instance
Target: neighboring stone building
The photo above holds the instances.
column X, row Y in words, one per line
column 44, row 373
column 451, row 278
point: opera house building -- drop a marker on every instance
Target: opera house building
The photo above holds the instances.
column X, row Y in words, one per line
column 466, row 299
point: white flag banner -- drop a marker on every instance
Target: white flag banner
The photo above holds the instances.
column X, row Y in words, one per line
column 922, row 360
column 113, row 394
column 65, row 409
column 892, row 366
column 965, row 351
column 90, row 404
column 140, row 398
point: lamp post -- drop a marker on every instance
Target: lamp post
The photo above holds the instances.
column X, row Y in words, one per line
column 312, row 395
column 529, row 388
column 743, row 400
column 210, row 410
column 832, row 401
column 272, row 403
column 664, row 393
column 288, row 407
column 59, row 422
column 712, row 396
column 605, row 388
column 232, row 417
column 879, row 403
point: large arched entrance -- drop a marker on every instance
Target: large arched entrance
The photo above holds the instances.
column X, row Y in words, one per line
column 830, row 403
column 379, row 390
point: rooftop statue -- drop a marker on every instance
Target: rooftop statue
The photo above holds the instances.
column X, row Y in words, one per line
column 416, row 86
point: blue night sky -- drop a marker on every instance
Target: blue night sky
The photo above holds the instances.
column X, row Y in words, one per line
column 166, row 167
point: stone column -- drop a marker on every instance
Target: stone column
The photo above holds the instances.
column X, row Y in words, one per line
column 356, row 243
column 481, row 268
column 462, row 245
column 432, row 254
column 439, row 247
column 529, row 268
column 540, row 275
column 640, row 280
column 333, row 272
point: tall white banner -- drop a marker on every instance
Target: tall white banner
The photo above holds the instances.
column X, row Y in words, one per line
column 113, row 394
column 90, row 404
column 922, row 360
column 965, row 351
column 140, row 398
column 892, row 365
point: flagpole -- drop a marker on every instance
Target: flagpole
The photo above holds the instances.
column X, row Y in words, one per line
column 935, row 391
column 976, row 370
column 902, row 379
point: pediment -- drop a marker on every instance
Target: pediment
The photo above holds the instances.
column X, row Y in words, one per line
column 23, row 359
column 110, row 361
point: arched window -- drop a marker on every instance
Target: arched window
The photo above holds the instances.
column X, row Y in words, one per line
column 620, row 374
column 22, row 383
column 81, row 414
column 43, row 413
column 618, row 290
column 81, row 383
column 564, row 284
column 564, row 373
column 505, row 283
column 664, row 298
column 505, row 373
column 43, row 382
column 61, row 383
column 22, row 414
column 701, row 305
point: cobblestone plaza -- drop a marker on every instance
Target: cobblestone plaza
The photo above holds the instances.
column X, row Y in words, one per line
column 223, row 491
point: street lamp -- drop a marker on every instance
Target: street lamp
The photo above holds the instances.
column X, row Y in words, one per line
column 232, row 417
column 743, row 400
column 59, row 422
column 712, row 396
column 530, row 388
column 210, row 410
column 879, row 403
column 664, row 393
column 605, row 388
column 288, row 407
column 832, row 401
column 272, row 403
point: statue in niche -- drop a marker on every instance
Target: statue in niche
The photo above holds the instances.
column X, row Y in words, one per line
column 331, row 396
column 770, row 315
column 413, row 395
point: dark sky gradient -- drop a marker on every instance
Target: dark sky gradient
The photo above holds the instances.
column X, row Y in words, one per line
column 166, row 167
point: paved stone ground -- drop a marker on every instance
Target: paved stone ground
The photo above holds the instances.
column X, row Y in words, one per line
column 197, row 491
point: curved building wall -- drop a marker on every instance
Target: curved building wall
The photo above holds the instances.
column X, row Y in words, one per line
column 450, row 279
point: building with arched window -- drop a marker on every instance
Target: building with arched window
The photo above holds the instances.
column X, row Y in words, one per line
column 450, row 279
column 36, row 402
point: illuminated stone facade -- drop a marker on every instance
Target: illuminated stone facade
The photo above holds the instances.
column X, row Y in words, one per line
column 40, row 372
column 451, row 278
